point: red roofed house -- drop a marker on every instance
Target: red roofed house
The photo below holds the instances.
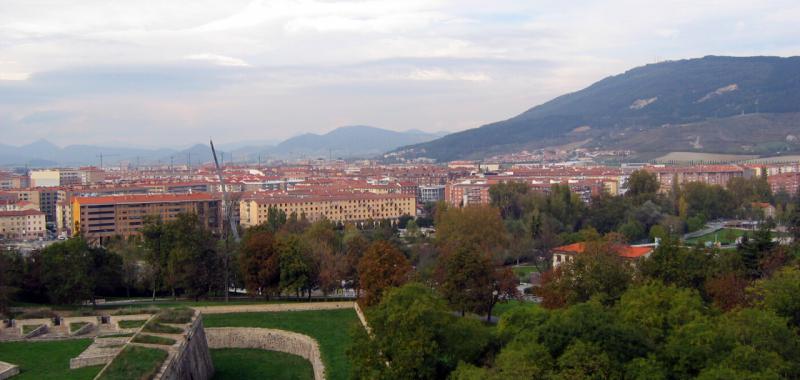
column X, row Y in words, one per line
column 567, row 252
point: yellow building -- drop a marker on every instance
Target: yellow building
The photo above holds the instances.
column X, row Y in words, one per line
column 345, row 208
column 100, row 218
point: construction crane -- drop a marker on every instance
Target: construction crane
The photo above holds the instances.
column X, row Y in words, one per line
column 225, row 200
column 101, row 155
column 229, row 215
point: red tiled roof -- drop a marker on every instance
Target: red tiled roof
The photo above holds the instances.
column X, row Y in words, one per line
column 145, row 198
column 20, row 213
column 626, row 251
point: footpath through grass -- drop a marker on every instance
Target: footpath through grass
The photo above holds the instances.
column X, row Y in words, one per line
column 261, row 364
column 47, row 360
column 331, row 328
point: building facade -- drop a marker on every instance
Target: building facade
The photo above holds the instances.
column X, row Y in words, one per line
column 100, row 218
column 344, row 208
column 22, row 225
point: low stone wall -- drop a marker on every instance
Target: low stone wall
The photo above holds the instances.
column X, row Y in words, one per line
column 42, row 329
column 260, row 308
column 269, row 339
column 88, row 361
column 192, row 360
column 8, row 370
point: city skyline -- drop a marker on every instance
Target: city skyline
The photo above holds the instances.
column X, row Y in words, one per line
column 151, row 76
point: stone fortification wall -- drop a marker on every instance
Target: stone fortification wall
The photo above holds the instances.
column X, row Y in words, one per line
column 191, row 360
column 269, row 339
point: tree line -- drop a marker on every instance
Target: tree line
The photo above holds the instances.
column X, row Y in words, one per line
column 681, row 313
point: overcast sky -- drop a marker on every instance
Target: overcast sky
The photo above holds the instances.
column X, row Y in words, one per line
column 171, row 73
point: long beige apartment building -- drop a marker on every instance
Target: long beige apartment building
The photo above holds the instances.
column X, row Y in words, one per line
column 344, row 208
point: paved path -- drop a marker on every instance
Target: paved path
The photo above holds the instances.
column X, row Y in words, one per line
column 274, row 307
column 711, row 227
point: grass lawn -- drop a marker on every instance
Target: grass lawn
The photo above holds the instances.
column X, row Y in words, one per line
column 155, row 327
column 135, row 363
column 131, row 324
column 331, row 328
column 75, row 326
column 47, row 360
column 262, row 364
column 502, row 308
column 152, row 339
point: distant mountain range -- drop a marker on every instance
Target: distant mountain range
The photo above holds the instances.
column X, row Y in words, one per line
column 744, row 105
column 347, row 142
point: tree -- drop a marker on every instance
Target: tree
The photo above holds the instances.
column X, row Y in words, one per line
column 780, row 294
column 508, row 197
column 157, row 250
column 11, row 272
column 73, row 272
column 383, row 266
column 260, row 263
column 192, row 263
column 414, row 336
column 295, row 273
column 657, row 309
column 676, row 265
column 642, row 182
column 132, row 254
column 476, row 228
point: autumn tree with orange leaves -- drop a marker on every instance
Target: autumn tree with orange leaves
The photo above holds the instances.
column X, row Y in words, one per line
column 382, row 267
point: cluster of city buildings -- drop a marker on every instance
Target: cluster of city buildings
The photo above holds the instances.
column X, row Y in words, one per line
column 100, row 204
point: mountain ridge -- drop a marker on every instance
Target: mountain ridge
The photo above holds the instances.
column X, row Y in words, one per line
column 640, row 99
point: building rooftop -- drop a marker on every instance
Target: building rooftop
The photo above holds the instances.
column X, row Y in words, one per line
column 145, row 198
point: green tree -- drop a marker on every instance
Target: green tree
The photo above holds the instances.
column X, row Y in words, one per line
column 642, row 182
column 658, row 309
column 780, row 294
column 295, row 274
column 414, row 336
column 677, row 265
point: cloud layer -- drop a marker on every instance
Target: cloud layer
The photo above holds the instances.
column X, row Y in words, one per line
column 167, row 72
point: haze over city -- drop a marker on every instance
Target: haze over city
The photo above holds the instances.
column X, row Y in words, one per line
column 172, row 73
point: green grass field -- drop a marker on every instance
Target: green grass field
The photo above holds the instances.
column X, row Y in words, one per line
column 135, row 363
column 502, row 308
column 262, row 364
column 152, row 339
column 132, row 323
column 329, row 327
column 47, row 360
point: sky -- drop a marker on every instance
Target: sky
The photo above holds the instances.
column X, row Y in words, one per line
column 169, row 73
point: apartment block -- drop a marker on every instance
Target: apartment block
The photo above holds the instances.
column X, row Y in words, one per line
column 344, row 208
column 100, row 218
column 22, row 225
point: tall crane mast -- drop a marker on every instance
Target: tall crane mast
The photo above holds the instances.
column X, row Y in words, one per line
column 225, row 200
